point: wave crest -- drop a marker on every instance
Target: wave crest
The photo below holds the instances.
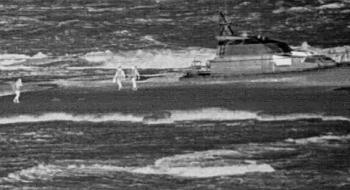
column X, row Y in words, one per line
column 203, row 164
column 325, row 139
column 112, row 117
column 169, row 117
column 159, row 59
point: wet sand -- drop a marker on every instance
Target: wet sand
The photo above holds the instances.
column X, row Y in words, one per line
column 231, row 96
column 323, row 91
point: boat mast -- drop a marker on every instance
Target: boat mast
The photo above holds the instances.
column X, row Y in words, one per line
column 225, row 26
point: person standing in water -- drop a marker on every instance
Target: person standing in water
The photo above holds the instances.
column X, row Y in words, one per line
column 118, row 77
column 17, row 89
column 135, row 75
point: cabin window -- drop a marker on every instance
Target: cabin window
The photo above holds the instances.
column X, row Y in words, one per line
column 235, row 42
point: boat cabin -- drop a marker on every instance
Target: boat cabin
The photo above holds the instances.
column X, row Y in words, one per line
column 245, row 54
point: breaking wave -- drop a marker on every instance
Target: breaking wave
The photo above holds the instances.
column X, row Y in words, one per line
column 160, row 59
column 15, row 57
column 168, row 117
column 340, row 54
column 332, row 6
column 7, row 61
column 150, row 58
column 325, row 139
column 112, row 117
column 220, row 114
column 203, row 164
column 301, row 9
column 143, row 58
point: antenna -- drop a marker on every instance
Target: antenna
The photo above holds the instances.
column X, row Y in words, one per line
column 226, row 29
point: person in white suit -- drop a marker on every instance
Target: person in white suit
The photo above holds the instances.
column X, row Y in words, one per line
column 135, row 75
column 119, row 77
column 17, row 89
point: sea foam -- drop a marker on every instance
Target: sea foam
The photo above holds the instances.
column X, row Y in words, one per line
column 160, row 59
column 340, row 54
column 16, row 61
column 221, row 114
column 46, row 117
column 143, row 58
column 204, row 172
column 203, row 164
column 332, row 6
column 320, row 139
column 168, row 117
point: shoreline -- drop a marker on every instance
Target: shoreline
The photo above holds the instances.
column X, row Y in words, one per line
column 336, row 77
column 320, row 91
column 328, row 77
column 268, row 99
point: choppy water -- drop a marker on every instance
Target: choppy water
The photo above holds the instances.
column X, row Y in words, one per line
column 207, row 137
column 60, row 27
column 299, row 153
column 49, row 38
column 193, row 137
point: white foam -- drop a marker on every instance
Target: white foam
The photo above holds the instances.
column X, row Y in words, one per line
column 14, row 56
column 208, row 114
column 6, row 93
column 16, row 61
column 122, row 33
column 320, row 139
column 300, row 116
column 168, row 58
column 339, row 54
column 205, row 114
column 203, row 164
column 97, row 57
column 270, row 80
column 9, row 59
column 42, row 172
column 143, row 20
column 112, row 117
column 332, row 6
column 111, row 9
column 39, row 55
column 161, row 59
column 193, row 159
column 299, row 9
column 150, row 58
column 220, row 114
column 205, row 172
column 292, row 9
column 151, row 39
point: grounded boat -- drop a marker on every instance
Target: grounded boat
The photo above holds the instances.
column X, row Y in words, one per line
column 245, row 54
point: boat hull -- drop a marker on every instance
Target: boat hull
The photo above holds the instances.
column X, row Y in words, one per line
column 228, row 66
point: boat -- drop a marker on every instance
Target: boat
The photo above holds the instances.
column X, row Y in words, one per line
column 246, row 54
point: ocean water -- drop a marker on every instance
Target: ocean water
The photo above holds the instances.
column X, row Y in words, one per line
column 81, row 26
column 65, row 37
column 298, row 153
column 185, row 137
column 74, row 130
